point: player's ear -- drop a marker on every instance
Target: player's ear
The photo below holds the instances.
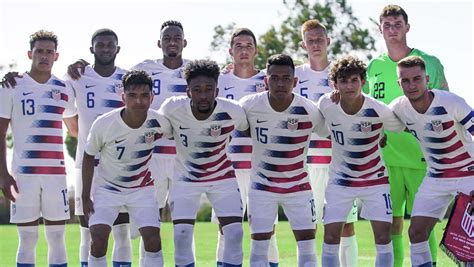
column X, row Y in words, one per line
column 303, row 45
column 30, row 54
column 123, row 96
column 427, row 80
column 328, row 42
column 408, row 27
column 230, row 52
column 159, row 43
column 188, row 92
column 118, row 49
column 265, row 80
column 295, row 81
column 91, row 49
column 56, row 56
column 185, row 43
column 217, row 92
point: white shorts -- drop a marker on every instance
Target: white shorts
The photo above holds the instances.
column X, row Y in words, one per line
column 162, row 171
column 435, row 195
column 243, row 180
column 224, row 197
column 375, row 200
column 299, row 208
column 40, row 197
column 319, row 178
column 141, row 205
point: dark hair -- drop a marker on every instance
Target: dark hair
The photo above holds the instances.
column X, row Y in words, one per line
column 412, row 61
column 201, row 67
column 43, row 35
column 172, row 23
column 347, row 66
column 280, row 60
column 393, row 11
column 242, row 31
column 136, row 77
column 103, row 32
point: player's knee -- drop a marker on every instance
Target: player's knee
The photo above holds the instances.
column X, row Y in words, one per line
column 99, row 242
column 417, row 232
column 262, row 236
column 152, row 243
column 307, row 234
column 383, row 238
column 348, row 230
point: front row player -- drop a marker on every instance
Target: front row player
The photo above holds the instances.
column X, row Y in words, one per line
column 281, row 124
column 443, row 123
column 357, row 170
column 202, row 125
column 125, row 138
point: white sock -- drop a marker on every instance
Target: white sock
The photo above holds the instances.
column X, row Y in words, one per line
column 233, row 253
column 348, row 251
column 273, row 250
column 55, row 236
column 122, row 253
column 220, row 248
column 183, row 244
column 306, row 253
column 420, row 253
column 330, row 256
column 97, row 262
column 384, row 255
column 259, row 253
column 153, row 259
column 85, row 245
column 28, row 236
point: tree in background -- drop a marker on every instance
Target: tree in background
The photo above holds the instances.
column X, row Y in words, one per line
column 343, row 27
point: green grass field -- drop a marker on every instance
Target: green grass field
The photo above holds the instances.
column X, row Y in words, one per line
column 205, row 240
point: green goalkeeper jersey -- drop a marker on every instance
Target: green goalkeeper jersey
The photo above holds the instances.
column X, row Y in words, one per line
column 402, row 149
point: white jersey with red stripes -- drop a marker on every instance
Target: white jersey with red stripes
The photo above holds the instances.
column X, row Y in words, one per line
column 312, row 85
column 166, row 83
column 36, row 112
column 280, row 142
column 356, row 155
column 444, row 132
column 95, row 95
column 125, row 152
column 233, row 87
column 202, row 144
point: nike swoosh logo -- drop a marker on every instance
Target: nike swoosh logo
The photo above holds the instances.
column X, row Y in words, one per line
column 313, row 220
column 303, row 81
column 377, row 74
column 335, row 124
column 119, row 141
column 228, row 88
column 260, row 121
column 183, row 128
column 89, row 86
column 410, row 123
column 28, row 93
column 155, row 73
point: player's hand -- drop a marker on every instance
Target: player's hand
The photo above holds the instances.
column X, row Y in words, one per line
column 383, row 141
column 228, row 68
column 8, row 185
column 87, row 207
column 8, row 80
column 471, row 209
column 335, row 96
column 76, row 69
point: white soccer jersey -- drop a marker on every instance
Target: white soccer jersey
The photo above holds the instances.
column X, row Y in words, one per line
column 125, row 152
column 36, row 112
column 233, row 87
column 166, row 83
column 444, row 133
column 312, row 85
column 95, row 95
column 356, row 155
column 202, row 144
column 280, row 142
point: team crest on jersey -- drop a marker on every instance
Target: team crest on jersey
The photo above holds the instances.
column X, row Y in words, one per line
column 118, row 88
column 56, row 94
column 149, row 137
column 467, row 222
column 292, row 124
column 437, row 125
column 259, row 87
column 365, row 126
column 215, row 130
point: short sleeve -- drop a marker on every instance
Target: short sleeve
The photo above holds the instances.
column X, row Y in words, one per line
column 70, row 108
column 6, row 103
column 95, row 140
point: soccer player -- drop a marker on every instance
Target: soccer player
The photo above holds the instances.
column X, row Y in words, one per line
column 281, row 123
column 405, row 162
column 242, row 80
column 125, row 138
column 313, row 82
column 202, row 125
column 37, row 185
column 357, row 169
column 99, row 90
column 443, row 124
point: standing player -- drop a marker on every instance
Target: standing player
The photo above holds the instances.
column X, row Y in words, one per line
column 405, row 162
column 281, row 124
column 242, row 80
column 125, row 138
column 357, row 169
column 313, row 82
column 202, row 125
column 37, row 186
column 443, row 124
column 98, row 91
